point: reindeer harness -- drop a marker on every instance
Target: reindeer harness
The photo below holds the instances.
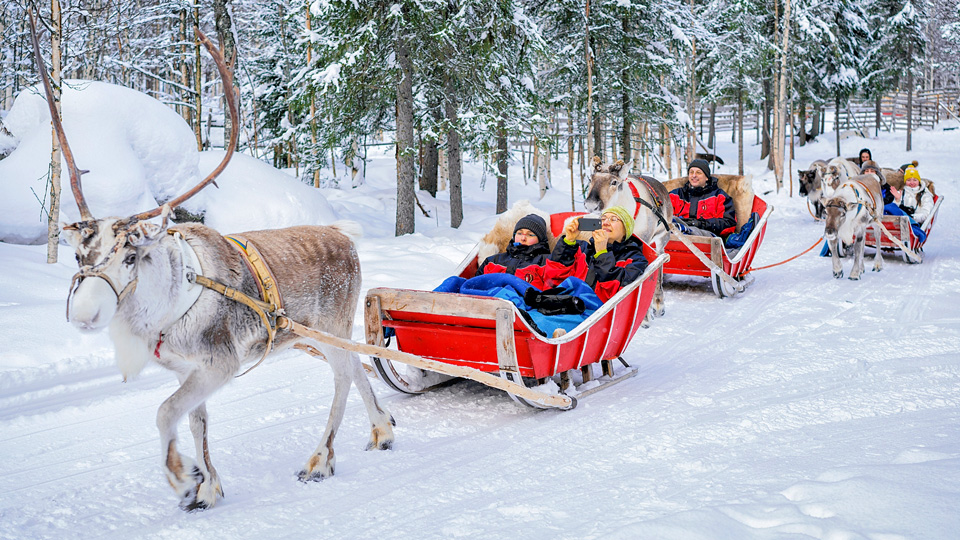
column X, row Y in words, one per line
column 657, row 203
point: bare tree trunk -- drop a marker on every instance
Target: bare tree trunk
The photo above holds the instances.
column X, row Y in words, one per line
column 313, row 109
column 836, row 121
column 53, row 217
column 781, row 112
column 910, row 101
column 740, row 132
column 803, row 121
column 573, row 204
column 431, row 156
column 625, row 133
column 765, row 144
column 453, row 154
column 197, row 80
column 691, row 149
column 589, row 60
column 502, row 162
column 222, row 23
column 815, row 130
column 878, row 103
column 406, row 174
column 712, row 134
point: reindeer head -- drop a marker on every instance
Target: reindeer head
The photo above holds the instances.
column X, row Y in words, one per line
column 808, row 182
column 837, row 209
column 833, row 176
column 110, row 250
column 605, row 181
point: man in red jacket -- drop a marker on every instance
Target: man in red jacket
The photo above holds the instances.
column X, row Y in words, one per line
column 702, row 207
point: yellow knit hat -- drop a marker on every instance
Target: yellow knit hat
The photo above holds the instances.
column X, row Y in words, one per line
column 625, row 218
column 911, row 172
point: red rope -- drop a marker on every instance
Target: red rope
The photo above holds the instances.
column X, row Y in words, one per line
column 786, row 261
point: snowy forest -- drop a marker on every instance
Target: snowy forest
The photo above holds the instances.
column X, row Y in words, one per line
column 322, row 82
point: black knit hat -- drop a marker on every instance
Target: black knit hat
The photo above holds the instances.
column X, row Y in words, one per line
column 702, row 165
column 534, row 224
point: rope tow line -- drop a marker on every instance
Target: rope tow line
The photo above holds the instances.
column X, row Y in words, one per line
column 804, row 252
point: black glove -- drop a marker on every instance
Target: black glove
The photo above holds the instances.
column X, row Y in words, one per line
column 699, row 223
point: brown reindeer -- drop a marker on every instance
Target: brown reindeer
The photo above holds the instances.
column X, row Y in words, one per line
column 143, row 280
column 645, row 199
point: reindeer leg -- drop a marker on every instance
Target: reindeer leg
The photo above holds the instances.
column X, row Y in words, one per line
column 184, row 475
column 210, row 489
column 381, row 421
column 878, row 258
column 858, row 245
column 322, row 463
column 835, row 257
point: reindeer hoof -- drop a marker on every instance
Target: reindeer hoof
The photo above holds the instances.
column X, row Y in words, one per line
column 854, row 278
column 317, row 476
column 838, row 275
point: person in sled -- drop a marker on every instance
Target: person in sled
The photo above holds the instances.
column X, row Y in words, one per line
column 611, row 259
column 871, row 167
column 700, row 207
column 526, row 256
column 915, row 200
column 865, row 156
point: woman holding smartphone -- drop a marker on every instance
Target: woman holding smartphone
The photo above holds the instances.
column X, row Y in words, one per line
column 610, row 259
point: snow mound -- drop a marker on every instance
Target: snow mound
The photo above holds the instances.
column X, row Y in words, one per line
column 137, row 150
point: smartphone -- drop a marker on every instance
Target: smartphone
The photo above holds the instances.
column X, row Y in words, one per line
column 589, row 224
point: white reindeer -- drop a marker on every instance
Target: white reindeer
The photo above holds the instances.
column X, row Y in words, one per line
column 141, row 282
column 645, row 199
column 837, row 172
column 852, row 207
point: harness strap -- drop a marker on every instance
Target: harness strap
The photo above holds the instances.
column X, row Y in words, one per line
column 259, row 307
column 655, row 209
column 266, row 282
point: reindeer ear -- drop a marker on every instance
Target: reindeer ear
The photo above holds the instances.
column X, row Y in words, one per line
column 71, row 233
column 624, row 170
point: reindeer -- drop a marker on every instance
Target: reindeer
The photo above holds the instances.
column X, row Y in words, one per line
column 851, row 208
column 837, row 172
column 644, row 197
column 811, row 185
column 155, row 288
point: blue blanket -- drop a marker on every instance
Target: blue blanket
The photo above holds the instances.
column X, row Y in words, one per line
column 512, row 288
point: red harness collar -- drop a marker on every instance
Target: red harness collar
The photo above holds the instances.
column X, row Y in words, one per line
column 636, row 195
column 156, row 350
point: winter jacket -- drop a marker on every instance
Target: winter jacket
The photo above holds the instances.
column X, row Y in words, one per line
column 917, row 202
column 709, row 204
column 526, row 262
column 620, row 265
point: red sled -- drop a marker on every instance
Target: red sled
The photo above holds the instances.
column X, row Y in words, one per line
column 488, row 340
column 899, row 228
column 727, row 271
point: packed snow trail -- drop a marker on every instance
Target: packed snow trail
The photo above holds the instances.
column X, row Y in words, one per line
column 806, row 407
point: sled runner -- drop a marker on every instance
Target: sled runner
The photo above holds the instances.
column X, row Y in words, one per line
column 476, row 337
column 725, row 268
column 899, row 228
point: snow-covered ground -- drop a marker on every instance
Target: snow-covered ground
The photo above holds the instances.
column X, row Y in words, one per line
column 807, row 407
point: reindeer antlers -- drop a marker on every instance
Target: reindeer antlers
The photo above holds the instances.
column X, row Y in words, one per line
column 58, row 127
column 231, row 97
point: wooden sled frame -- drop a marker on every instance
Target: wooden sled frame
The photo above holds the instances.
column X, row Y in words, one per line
column 899, row 227
column 726, row 273
column 475, row 337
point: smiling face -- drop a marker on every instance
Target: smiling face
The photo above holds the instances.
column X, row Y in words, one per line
column 525, row 237
column 864, row 156
column 613, row 226
column 696, row 177
column 912, row 182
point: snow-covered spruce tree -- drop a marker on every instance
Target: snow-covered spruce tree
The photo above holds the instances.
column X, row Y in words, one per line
column 943, row 44
column 634, row 46
column 277, row 55
column 844, row 38
column 902, row 45
column 734, row 57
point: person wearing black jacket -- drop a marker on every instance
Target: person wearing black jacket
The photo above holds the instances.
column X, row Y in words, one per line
column 700, row 206
column 610, row 260
column 526, row 256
